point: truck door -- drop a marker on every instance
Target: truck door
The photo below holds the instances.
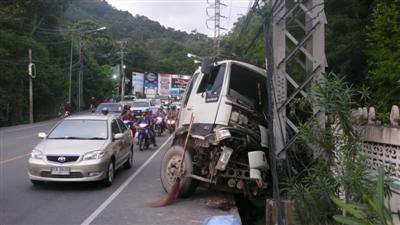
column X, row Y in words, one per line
column 184, row 115
column 205, row 98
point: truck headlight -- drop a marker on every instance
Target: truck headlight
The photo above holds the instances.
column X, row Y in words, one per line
column 94, row 155
column 36, row 154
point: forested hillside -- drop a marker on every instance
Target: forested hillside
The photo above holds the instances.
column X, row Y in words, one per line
column 362, row 44
column 48, row 26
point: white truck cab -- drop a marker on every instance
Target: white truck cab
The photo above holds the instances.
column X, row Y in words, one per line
column 211, row 97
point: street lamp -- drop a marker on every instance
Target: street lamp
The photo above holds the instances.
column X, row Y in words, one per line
column 190, row 55
column 80, row 80
column 114, row 76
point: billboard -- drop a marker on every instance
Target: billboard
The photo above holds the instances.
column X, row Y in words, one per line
column 137, row 82
column 150, row 84
column 179, row 82
column 164, row 84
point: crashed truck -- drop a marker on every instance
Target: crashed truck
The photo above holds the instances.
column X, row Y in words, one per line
column 227, row 146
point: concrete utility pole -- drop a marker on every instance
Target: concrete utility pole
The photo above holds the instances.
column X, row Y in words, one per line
column 216, row 18
column 302, row 22
column 80, row 73
column 308, row 52
column 31, row 75
column 70, row 69
column 122, row 46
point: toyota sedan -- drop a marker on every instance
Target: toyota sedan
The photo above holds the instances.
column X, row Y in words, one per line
column 82, row 148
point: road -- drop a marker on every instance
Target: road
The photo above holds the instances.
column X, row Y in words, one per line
column 126, row 202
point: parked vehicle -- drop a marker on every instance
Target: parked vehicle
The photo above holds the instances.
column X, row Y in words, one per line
column 226, row 150
column 143, row 136
column 82, row 148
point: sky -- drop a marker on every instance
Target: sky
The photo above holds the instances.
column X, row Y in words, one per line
column 184, row 15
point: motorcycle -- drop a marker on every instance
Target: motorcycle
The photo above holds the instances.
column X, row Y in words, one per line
column 67, row 113
column 159, row 127
column 92, row 108
column 171, row 124
column 143, row 136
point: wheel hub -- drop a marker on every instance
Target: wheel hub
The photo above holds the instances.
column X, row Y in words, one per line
column 173, row 168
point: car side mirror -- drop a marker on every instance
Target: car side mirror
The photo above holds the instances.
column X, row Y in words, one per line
column 42, row 135
column 118, row 136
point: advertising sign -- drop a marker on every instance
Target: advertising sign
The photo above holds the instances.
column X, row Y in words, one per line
column 164, row 84
column 137, row 82
column 179, row 82
column 150, row 84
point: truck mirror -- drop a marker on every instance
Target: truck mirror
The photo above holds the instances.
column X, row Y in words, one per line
column 207, row 65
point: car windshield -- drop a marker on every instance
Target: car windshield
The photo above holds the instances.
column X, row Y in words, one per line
column 253, row 93
column 117, row 108
column 140, row 104
column 80, row 129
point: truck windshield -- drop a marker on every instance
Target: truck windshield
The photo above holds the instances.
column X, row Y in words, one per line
column 247, row 87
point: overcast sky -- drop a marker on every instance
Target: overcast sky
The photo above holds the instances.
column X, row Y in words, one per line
column 184, row 15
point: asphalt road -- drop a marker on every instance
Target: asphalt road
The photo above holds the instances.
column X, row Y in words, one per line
column 126, row 202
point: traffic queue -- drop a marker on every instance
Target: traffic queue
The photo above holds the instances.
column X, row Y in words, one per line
column 92, row 147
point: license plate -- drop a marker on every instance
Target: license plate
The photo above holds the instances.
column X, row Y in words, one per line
column 224, row 158
column 60, row 170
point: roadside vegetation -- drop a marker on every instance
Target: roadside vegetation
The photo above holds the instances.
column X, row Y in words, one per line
column 48, row 26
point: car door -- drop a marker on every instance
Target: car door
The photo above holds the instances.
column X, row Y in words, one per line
column 205, row 97
column 126, row 140
column 117, row 145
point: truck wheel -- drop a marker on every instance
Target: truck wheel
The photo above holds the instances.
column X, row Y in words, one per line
column 169, row 171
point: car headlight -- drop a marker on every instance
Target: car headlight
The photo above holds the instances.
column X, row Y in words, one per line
column 36, row 154
column 94, row 155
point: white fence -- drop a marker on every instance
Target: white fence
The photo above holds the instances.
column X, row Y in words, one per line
column 381, row 143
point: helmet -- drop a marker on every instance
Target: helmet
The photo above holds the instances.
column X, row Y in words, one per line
column 104, row 110
column 173, row 107
column 145, row 112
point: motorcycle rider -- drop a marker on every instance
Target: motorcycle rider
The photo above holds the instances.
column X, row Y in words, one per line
column 147, row 118
column 173, row 113
column 160, row 113
column 67, row 108
column 128, row 116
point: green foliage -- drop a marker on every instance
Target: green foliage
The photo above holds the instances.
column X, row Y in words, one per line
column 47, row 27
column 340, row 168
column 384, row 53
column 311, row 195
column 370, row 211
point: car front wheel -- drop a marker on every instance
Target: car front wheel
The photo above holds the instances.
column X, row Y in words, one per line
column 110, row 174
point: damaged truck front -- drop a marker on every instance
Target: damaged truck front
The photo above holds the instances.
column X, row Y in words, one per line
column 227, row 146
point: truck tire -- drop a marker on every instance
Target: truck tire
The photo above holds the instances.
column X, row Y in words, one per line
column 169, row 171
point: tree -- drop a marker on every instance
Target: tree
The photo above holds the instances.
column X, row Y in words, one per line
column 384, row 54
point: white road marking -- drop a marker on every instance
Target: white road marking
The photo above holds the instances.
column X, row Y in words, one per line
column 104, row 205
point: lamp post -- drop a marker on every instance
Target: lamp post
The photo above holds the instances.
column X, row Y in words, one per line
column 80, row 74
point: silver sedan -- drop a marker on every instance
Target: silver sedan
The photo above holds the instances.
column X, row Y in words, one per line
column 82, row 148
